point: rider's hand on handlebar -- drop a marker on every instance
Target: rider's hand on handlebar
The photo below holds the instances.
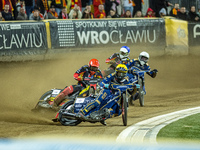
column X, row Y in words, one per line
column 155, row 70
column 137, row 86
column 106, row 86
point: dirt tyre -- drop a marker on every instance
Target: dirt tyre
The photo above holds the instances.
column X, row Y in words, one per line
column 141, row 93
column 65, row 121
column 46, row 95
column 43, row 100
column 124, row 109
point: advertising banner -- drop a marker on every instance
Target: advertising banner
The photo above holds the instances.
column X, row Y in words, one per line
column 89, row 33
column 194, row 33
column 24, row 36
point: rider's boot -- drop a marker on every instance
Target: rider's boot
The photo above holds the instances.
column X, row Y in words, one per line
column 62, row 95
column 103, row 122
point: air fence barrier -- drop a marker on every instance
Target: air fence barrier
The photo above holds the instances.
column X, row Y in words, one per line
column 159, row 36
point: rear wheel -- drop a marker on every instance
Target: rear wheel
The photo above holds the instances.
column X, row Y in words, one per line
column 141, row 93
column 43, row 100
column 68, row 122
column 124, row 109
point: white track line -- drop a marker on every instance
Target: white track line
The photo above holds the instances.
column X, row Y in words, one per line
column 147, row 130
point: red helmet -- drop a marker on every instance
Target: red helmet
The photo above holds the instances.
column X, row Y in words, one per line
column 94, row 63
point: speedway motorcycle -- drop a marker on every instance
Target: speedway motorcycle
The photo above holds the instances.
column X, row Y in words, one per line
column 137, row 74
column 113, row 105
column 47, row 99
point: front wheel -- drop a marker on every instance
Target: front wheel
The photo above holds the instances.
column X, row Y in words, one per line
column 124, row 109
column 68, row 106
column 141, row 93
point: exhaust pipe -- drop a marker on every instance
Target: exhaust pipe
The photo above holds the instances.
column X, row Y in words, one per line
column 70, row 116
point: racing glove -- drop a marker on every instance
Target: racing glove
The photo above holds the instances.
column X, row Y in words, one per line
column 155, row 70
column 137, row 86
column 106, row 86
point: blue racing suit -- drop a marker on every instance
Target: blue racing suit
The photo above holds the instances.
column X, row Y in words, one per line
column 136, row 63
column 107, row 91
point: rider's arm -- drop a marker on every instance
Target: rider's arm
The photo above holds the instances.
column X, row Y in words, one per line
column 151, row 73
column 106, row 80
column 78, row 75
column 130, row 63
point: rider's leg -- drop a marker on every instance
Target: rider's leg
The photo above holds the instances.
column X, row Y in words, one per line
column 62, row 95
column 98, row 100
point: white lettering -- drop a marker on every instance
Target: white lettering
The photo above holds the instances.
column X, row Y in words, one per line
column 111, row 36
column 101, row 37
column 13, row 41
column 1, row 46
column 116, row 36
column 94, row 37
column 154, row 39
column 31, row 40
column 23, row 39
column 195, row 30
column 5, row 27
column 34, row 40
column 84, row 37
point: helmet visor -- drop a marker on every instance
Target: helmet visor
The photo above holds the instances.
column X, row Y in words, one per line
column 145, row 59
column 93, row 68
column 121, row 75
column 125, row 54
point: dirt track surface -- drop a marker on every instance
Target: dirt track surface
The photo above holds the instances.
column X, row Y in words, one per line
column 176, row 87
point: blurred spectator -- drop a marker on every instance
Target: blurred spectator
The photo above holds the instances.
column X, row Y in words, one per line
column 84, row 3
column 29, row 5
column 198, row 13
column 113, row 13
column 75, row 13
column 43, row 7
column 150, row 13
column 159, row 4
column 127, row 14
column 87, row 14
column 6, row 14
column 128, row 6
column 162, row 12
column 12, row 6
column 96, row 4
column 52, row 14
column 120, row 8
column 59, row 4
column 174, row 10
column 111, row 4
column 101, row 12
column 182, row 14
column 75, row 3
column 35, row 15
column 1, row 17
column 22, row 15
column 192, row 15
column 63, row 14
column 138, row 6
column 138, row 14
column 10, row 3
column 19, row 5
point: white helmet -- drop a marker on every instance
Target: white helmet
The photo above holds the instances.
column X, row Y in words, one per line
column 143, row 58
column 124, row 52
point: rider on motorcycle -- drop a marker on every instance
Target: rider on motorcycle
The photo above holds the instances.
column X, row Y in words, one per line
column 117, row 58
column 83, row 76
column 141, row 63
column 118, row 77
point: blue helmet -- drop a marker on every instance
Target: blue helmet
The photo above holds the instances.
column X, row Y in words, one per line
column 124, row 52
